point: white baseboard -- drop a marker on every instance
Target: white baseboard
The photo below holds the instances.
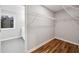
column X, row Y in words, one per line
column 66, row 40
column 28, row 51
column 10, row 38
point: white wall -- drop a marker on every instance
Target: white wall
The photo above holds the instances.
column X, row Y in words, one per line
column 13, row 46
column 40, row 25
column 66, row 27
column 18, row 13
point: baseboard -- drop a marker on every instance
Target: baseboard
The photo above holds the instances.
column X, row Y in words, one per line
column 66, row 40
column 28, row 51
column 11, row 38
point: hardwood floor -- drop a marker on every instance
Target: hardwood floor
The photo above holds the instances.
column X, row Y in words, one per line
column 57, row 46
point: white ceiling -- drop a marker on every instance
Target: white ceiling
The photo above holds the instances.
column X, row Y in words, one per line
column 77, row 6
column 54, row 8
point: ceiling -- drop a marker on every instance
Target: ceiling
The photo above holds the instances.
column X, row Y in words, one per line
column 54, row 8
column 77, row 6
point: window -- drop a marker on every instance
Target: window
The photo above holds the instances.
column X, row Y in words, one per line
column 7, row 21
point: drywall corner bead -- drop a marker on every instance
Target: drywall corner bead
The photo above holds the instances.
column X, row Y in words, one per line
column 0, row 46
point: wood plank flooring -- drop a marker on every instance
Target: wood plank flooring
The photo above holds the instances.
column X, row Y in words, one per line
column 57, row 46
